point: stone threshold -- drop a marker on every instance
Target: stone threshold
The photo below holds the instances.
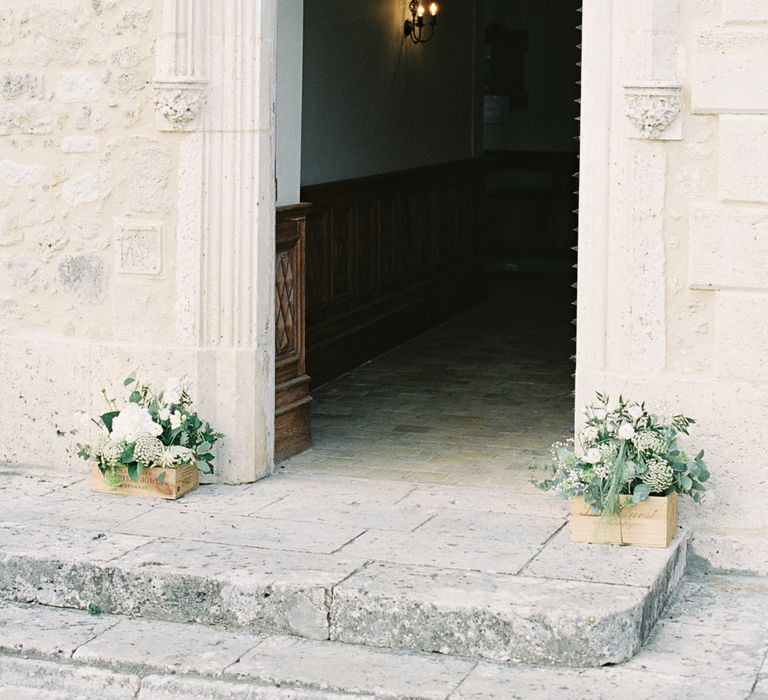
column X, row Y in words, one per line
column 408, row 584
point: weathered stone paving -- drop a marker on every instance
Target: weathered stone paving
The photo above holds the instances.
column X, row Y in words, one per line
column 409, row 567
column 710, row 644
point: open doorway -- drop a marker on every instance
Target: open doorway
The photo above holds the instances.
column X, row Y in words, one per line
column 439, row 246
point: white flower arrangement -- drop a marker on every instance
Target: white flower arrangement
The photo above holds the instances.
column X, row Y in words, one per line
column 625, row 451
column 151, row 430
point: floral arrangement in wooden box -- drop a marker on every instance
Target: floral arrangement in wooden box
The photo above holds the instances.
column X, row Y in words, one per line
column 151, row 430
column 623, row 456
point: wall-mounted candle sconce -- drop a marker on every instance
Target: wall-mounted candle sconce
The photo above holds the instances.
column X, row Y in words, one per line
column 414, row 28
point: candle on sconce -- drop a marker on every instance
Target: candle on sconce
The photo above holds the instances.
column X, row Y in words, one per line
column 414, row 27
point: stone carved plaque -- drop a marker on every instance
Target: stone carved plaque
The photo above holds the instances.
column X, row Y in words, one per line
column 179, row 103
column 139, row 247
column 654, row 111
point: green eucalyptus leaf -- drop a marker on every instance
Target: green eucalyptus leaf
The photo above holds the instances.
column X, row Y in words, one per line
column 133, row 472
column 687, row 483
column 161, row 478
column 127, row 456
column 203, row 466
column 641, row 492
column 130, row 379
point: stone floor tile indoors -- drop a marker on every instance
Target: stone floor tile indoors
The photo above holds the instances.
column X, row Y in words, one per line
column 474, row 401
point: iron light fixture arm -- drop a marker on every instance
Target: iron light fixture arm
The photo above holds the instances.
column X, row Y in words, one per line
column 414, row 28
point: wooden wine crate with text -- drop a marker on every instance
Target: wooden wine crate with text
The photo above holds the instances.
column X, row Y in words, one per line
column 156, row 482
column 651, row 523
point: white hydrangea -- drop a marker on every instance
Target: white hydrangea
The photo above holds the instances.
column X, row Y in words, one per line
column 132, row 423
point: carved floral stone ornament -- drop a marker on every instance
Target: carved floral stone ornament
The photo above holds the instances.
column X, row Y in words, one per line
column 654, row 110
column 179, row 104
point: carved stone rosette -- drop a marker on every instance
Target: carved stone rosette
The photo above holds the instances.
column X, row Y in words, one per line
column 654, row 111
column 179, row 103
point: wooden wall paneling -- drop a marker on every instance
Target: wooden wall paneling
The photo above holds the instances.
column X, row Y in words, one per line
column 318, row 272
column 366, row 248
column 390, row 256
column 292, row 397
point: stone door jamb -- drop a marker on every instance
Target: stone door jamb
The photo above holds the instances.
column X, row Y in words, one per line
column 214, row 88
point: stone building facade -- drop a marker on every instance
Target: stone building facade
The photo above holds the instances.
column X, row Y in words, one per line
column 137, row 205
column 137, row 214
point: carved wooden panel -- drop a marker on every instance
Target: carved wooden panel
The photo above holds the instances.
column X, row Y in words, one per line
column 292, row 398
column 286, row 302
column 389, row 256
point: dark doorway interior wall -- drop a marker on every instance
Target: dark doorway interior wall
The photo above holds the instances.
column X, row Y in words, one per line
column 531, row 90
column 431, row 168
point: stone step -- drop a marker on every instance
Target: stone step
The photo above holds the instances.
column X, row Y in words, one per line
column 709, row 645
column 527, row 618
column 66, row 650
column 32, row 679
column 425, row 569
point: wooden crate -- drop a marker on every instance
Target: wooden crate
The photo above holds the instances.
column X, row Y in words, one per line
column 652, row 523
column 176, row 482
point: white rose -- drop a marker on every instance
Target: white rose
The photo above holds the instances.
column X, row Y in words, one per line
column 600, row 413
column 635, row 411
column 590, row 433
column 175, row 419
column 164, row 413
column 626, row 431
column 593, row 456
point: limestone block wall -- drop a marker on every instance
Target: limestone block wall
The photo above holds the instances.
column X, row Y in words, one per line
column 673, row 295
column 87, row 213
column 136, row 215
column 86, row 183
